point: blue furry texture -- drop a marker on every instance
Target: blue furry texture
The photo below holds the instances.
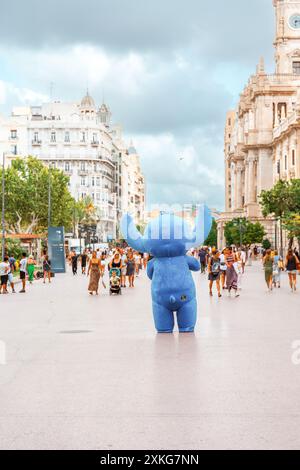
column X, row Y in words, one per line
column 167, row 239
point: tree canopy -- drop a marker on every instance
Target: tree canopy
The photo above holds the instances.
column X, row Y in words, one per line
column 242, row 231
column 26, row 197
column 212, row 239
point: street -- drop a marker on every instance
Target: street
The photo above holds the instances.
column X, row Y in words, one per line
column 88, row 372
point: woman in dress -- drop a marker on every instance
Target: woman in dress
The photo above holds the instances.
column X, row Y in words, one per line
column 30, row 268
column 268, row 262
column 94, row 273
column 231, row 273
column 130, row 268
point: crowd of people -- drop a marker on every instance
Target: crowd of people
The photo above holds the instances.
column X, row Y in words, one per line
column 25, row 269
column 225, row 269
column 122, row 264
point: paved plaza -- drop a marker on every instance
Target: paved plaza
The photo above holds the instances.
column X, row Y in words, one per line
column 88, row 372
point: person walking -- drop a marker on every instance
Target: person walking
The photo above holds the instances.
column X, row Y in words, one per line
column 94, row 271
column 292, row 265
column 23, row 272
column 223, row 267
column 47, row 269
column 30, row 268
column 231, row 273
column 83, row 261
column 278, row 267
column 130, row 268
column 203, row 260
column 74, row 262
column 268, row 262
column 4, row 270
column 124, row 268
column 214, row 272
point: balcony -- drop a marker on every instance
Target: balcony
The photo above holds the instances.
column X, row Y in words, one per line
column 95, row 143
column 36, row 143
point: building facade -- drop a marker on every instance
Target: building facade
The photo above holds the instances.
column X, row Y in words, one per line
column 262, row 136
column 79, row 139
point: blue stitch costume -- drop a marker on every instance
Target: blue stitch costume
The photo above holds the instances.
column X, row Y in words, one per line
column 168, row 238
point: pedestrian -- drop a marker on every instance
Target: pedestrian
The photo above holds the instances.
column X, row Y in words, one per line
column 231, row 273
column 145, row 260
column 214, row 272
column 83, row 261
column 203, row 259
column 123, row 269
column 74, row 262
column 11, row 279
column 223, row 267
column 130, row 268
column 268, row 262
column 292, row 265
column 4, row 270
column 30, row 268
column 137, row 260
column 94, row 271
column 12, row 261
column 243, row 259
column 278, row 267
column 23, row 272
column 47, row 269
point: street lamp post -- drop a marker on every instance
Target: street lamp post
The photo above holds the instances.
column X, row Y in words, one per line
column 49, row 198
column 3, row 207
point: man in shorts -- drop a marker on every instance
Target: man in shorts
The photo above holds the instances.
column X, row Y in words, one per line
column 23, row 271
column 4, row 269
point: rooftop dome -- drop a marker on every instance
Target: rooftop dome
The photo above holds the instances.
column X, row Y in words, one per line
column 87, row 101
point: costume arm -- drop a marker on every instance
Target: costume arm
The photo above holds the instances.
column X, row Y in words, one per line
column 150, row 269
column 193, row 264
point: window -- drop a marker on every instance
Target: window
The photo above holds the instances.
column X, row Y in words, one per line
column 293, row 157
column 278, row 167
column 296, row 68
column 67, row 166
column 95, row 138
column 36, row 137
column 82, row 136
column 82, row 166
column 98, row 181
column 14, row 150
column 93, row 181
column 52, row 165
column 67, row 136
column 229, row 122
column 285, row 162
column 53, row 137
column 98, row 196
column 82, row 181
column 13, row 134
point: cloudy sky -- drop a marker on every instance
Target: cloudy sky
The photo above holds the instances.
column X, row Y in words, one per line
column 169, row 69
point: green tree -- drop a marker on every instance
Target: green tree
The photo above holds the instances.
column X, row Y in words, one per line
column 212, row 239
column 240, row 231
column 26, row 197
column 281, row 200
column 291, row 223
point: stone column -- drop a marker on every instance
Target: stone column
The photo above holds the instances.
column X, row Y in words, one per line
column 251, row 179
column 239, row 186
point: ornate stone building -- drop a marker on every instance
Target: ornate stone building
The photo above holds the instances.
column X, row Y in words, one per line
column 262, row 137
column 79, row 139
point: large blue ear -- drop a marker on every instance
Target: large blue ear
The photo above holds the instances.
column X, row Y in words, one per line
column 202, row 227
column 131, row 234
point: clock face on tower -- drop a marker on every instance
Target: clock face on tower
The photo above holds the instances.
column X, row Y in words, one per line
column 295, row 21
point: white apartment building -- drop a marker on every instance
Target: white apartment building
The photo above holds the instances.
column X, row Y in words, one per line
column 78, row 138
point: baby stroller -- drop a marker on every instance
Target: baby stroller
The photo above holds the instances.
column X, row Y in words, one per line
column 115, row 281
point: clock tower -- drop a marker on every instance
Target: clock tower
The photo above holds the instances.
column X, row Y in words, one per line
column 287, row 41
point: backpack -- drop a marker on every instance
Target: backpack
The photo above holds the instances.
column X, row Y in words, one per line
column 215, row 267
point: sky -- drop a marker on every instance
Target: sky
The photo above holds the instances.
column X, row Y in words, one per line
column 168, row 69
